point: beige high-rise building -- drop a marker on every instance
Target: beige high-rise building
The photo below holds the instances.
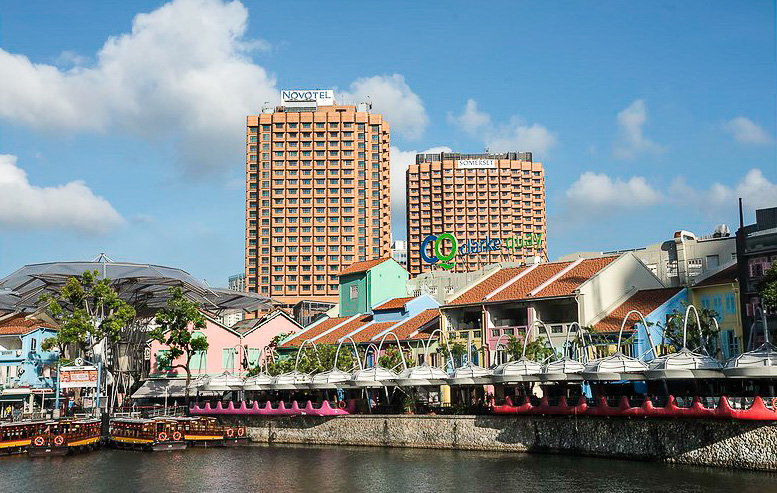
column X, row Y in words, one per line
column 489, row 207
column 317, row 194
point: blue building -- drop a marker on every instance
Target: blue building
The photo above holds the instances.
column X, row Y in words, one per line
column 25, row 368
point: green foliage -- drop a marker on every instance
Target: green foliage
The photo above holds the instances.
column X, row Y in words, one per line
column 392, row 358
column 709, row 331
column 176, row 324
column 276, row 341
column 768, row 288
column 313, row 360
column 535, row 350
column 87, row 310
column 457, row 349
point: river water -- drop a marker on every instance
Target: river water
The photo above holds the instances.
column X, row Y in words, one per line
column 284, row 469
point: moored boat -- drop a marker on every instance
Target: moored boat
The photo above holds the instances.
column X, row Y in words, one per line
column 207, row 432
column 65, row 436
column 156, row 434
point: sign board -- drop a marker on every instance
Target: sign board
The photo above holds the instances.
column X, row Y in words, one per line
column 320, row 97
column 72, row 377
column 477, row 164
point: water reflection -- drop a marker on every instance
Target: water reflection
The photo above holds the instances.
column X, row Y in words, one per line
column 293, row 468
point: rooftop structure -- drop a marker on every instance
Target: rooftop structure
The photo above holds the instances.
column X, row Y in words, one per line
column 317, row 195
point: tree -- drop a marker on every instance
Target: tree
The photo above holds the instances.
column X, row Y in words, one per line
column 312, row 360
column 535, row 350
column 708, row 333
column 392, row 358
column 457, row 350
column 87, row 311
column 175, row 326
column 767, row 288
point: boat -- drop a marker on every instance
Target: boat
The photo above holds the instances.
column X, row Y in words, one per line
column 156, row 434
column 65, row 436
column 15, row 438
column 201, row 431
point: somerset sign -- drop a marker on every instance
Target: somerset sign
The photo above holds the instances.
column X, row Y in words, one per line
column 444, row 248
column 477, row 164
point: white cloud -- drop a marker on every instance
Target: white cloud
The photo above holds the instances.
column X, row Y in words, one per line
column 598, row 191
column 399, row 161
column 391, row 96
column 631, row 138
column 746, row 131
column 754, row 188
column 70, row 206
column 515, row 136
column 181, row 74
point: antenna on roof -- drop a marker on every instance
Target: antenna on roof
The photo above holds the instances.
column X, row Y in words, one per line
column 103, row 258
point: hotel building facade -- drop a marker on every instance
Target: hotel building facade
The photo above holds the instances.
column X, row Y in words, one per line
column 317, row 195
column 487, row 207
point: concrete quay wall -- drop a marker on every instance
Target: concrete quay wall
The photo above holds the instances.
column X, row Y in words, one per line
column 718, row 443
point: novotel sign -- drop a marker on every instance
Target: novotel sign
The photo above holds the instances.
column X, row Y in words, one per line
column 477, row 164
column 322, row 97
column 444, row 248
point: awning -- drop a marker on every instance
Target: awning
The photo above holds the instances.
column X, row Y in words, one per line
column 155, row 389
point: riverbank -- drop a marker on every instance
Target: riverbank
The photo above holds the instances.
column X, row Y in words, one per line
column 717, row 443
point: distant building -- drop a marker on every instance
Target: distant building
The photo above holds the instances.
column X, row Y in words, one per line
column 443, row 285
column 756, row 252
column 474, row 209
column 399, row 252
column 719, row 291
column 317, row 195
column 682, row 259
column 237, row 282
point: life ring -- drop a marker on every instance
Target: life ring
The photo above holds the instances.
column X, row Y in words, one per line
column 176, row 435
column 39, row 441
column 162, row 436
column 230, row 432
column 774, row 403
column 341, row 404
column 241, row 431
column 59, row 440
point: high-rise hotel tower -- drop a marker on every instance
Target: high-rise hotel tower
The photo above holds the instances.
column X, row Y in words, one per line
column 468, row 210
column 317, row 194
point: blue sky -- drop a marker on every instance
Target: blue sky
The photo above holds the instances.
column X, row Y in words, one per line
column 122, row 133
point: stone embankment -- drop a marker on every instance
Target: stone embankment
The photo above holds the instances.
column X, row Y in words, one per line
column 718, row 443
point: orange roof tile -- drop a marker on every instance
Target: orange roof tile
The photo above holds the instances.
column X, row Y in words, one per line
column 522, row 287
column 314, row 331
column 22, row 324
column 723, row 276
column 645, row 301
column 415, row 323
column 571, row 280
column 335, row 335
column 363, row 266
column 370, row 331
column 394, row 303
column 477, row 292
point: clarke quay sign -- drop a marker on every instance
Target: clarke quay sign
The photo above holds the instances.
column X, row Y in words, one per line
column 322, row 97
column 445, row 247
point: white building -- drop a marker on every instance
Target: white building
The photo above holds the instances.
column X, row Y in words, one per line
column 399, row 252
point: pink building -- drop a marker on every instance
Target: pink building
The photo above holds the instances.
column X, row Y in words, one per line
column 233, row 349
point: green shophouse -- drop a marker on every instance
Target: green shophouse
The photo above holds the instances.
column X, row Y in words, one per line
column 365, row 284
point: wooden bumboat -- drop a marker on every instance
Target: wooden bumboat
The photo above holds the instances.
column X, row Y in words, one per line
column 207, row 432
column 65, row 436
column 155, row 434
column 15, row 438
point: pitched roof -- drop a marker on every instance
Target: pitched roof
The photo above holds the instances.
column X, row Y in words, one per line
column 363, row 266
column 21, row 324
column 371, row 330
column 723, row 276
column 577, row 275
column 477, row 292
column 644, row 301
column 532, row 278
column 314, row 330
column 248, row 325
column 394, row 303
column 405, row 330
column 335, row 335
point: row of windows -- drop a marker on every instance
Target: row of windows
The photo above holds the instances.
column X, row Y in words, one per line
column 292, row 125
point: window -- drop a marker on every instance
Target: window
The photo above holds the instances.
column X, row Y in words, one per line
column 713, row 261
column 354, row 292
column 199, row 361
column 228, row 357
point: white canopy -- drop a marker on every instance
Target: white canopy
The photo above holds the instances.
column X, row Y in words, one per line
column 422, row 376
column 471, row 374
column 262, row 381
column 758, row 363
column 614, row 368
column 293, row 380
column 561, row 370
column 377, row 376
column 521, row 370
column 684, row 364
column 223, row 383
column 330, row 379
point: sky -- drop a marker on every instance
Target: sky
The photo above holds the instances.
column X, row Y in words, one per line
column 122, row 125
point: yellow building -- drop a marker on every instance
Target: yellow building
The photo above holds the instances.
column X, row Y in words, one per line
column 720, row 292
